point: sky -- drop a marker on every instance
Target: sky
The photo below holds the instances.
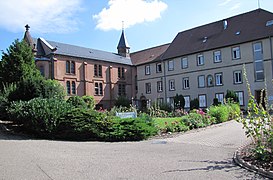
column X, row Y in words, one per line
column 97, row 24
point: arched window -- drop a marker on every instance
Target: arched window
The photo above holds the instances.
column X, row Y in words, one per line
column 72, row 67
column 67, row 66
column 210, row 80
column 73, row 87
column 68, row 90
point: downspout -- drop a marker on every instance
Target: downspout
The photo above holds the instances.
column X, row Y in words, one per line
column 110, row 86
column 84, row 77
column 165, row 83
column 52, row 66
column 271, row 53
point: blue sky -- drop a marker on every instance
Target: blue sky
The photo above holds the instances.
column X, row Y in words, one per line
column 97, row 23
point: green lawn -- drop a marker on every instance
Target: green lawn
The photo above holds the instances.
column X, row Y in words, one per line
column 161, row 121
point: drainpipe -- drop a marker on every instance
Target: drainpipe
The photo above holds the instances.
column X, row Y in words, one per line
column 165, row 83
column 84, row 77
column 52, row 66
column 271, row 52
column 110, row 85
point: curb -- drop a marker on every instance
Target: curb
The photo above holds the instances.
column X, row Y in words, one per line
column 239, row 161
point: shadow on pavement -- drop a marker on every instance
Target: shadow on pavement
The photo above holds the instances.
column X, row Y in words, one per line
column 226, row 165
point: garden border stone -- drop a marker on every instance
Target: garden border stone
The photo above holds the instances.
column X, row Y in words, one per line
column 237, row 158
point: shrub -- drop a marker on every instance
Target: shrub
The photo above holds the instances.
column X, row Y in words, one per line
column 52, row 89
column 234, row 110
column 231, row 96
column 194, row 104
column 122, row 101
column 216, row 102
column 39, row 115
column 132, row 129
column 89, row 101
column 176, row 126
column 221, row 113
column 77, row 102
column 193, row 120
column 179, row 101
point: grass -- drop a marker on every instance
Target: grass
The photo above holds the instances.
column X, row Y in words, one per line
column 160, row 122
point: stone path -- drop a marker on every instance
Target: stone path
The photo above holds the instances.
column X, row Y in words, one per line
column 198, row 154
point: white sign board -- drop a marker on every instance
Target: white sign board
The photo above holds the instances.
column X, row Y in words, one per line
column 126, row 114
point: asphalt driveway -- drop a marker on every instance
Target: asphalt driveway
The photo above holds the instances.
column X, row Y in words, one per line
column 199, row 154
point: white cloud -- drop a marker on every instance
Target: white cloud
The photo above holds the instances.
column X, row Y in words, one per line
column 130, row 11
column 225, row 3
column 43, row 16
column 236, row 6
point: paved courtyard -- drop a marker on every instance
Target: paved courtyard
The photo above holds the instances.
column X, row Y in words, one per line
column 199, row 154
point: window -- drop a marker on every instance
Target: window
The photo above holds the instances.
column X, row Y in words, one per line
column 201, row 81
column 187, row 101
column 217, row 56
column 100, row 71
column 158, row 68
column 70, row 67
column 186, row 83
column 171, row 85
column 240, row 95
column 236, row 54
column 219, row 79
column 68, row 90
column 184, row 63
column 159, row 101
column 121, row 72
column 237, row 77
column 220, row 97
column 170, row 65
column 122, row 89
column 210, row 80
column 202, row 101
column 200, row 60
column 159, row 86
column 258, row 61
column 147, row 70
column 71, row 87
column 136, row 86
column 98, row 89
column 148, row 88
column 97, row 70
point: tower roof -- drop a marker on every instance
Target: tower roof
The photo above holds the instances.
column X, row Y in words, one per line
column 122, row 41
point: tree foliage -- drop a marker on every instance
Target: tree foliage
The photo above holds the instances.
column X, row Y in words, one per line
column 179, row 101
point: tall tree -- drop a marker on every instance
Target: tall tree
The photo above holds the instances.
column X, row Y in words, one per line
column 18, row 64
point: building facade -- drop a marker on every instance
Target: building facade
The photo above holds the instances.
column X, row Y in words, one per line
column 206, row 61
column 203, row 63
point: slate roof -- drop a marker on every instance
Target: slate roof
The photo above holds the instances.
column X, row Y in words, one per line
column 148, row 55
column 242, row 28
column 123, row 41
column 82, row 52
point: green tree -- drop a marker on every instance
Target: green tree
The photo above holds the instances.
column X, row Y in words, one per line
column 18, row 64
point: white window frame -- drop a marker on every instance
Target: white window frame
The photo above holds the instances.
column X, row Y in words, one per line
column 186, row 83
column 237, row 77
column 258, row 61
column 218, row 79
column 171, row 85
column 148, row 88
column 147, row 70
column 157, row 67
column 184, row 63
column 187, row 102
column 202, row 100
column 240, row 95
column 200, row 78
column 210, row 83
column 170, row 65
column 236, row 53
column 159, row 86
column 217, row 56
column 220, row 97
column 200, row 60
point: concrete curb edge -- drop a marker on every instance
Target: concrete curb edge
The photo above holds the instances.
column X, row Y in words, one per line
column 239, row 161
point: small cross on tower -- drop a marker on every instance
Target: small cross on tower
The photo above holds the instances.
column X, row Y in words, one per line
column 27, row 27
